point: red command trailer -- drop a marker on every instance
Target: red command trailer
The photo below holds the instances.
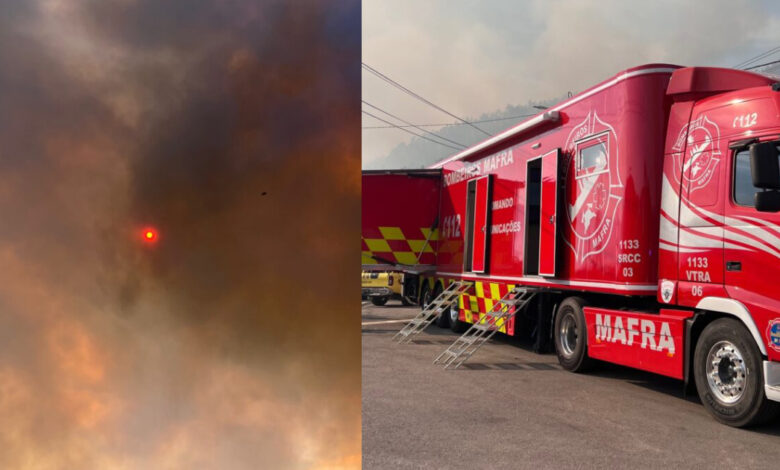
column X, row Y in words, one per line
column 400, row 213
column 646, row 213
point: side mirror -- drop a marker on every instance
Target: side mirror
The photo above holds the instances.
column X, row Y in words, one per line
column 767, row 201
column 764, row 168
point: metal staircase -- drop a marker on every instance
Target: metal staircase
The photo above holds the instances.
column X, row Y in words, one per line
column 482, row 330
column 432, row 311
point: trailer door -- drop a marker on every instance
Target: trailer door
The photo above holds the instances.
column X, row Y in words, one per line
column 477, row 220
column 549, row 213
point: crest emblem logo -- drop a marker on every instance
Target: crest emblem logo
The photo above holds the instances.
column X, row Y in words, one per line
column 667, row 291
column 702, row 137
column 593, row 187
column 773, row 334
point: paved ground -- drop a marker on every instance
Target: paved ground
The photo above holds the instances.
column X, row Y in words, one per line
column 511, row 408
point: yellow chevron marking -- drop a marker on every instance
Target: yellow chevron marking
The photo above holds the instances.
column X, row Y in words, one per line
column 495, row 294
column 378, row 245
column 392, row 233
column 480, row 290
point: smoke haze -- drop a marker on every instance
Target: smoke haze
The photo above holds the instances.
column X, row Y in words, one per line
column 473, row 58
column 232, row 341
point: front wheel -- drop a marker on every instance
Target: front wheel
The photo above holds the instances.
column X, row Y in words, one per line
column 379, row 301
column 727, row 368
column 571, row 338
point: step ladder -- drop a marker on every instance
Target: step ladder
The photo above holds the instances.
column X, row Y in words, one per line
column 484, row 329
column 432, row 311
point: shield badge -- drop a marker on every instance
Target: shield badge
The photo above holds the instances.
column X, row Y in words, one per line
column 667, row 290
column 701, row 141
column 593, row 187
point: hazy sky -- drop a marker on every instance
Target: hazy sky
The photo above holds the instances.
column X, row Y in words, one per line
column 233, row 342
column 471, row 57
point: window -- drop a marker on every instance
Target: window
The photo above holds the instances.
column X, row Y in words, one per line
column 593, row 157
column 743, row 182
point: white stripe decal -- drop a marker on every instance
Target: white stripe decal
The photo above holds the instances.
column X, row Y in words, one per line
column 735, row 237
column 670, row 208
column 681, row 249
column 668, row 231
column 758, row 232
column 702, row 229
column 671, row 203
column 716, row 217
column 690, row 218
column 757, row 221
column 736, row 247
column 695, row 240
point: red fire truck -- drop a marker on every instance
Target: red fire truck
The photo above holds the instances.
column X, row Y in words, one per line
column 646, row 212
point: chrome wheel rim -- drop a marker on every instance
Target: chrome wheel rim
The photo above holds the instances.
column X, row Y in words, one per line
column 568, row 335
column 726, row 372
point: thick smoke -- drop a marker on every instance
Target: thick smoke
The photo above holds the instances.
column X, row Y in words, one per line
column 230, row 127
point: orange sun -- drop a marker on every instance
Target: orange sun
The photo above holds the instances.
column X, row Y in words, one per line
column 150, row 235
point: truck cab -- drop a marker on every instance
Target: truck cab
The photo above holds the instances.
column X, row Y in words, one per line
column 720, row 220
column 717, row 247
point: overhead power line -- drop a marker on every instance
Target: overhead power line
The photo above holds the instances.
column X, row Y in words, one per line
column 754, row 59
column 407, row 130
column 763, row 65
column 415, row 95
column 412, row 125
column 453, row 123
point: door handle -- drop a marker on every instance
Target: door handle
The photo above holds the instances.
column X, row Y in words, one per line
column 552, row 219
column 733, row 266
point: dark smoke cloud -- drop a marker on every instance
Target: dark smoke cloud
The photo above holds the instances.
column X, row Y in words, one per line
column 231, row 342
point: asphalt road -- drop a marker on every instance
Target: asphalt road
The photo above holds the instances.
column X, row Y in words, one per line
column 508, row 407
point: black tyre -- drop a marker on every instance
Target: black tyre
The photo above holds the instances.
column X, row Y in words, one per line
column 379, row 301
column 728, row 368
column 455, row 324
column 570, row 335
column 443, row 320
column 425, row 295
